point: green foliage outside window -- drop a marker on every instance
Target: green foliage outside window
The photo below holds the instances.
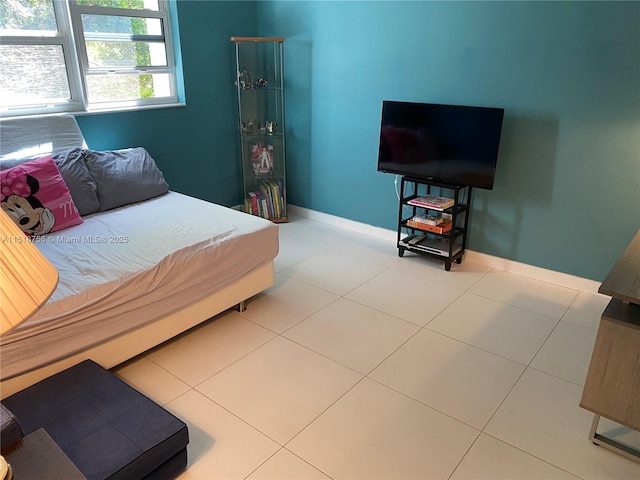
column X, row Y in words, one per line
column 131, row 4
column 112, row 43
column 111, row 53
column 27, row 15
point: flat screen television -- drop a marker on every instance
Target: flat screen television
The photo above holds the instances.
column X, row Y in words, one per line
column 452, row 144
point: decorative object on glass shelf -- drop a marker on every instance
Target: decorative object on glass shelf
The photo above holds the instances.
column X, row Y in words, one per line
column 246, row 83
column 247, row 127
column 262, row 158
column 244, row 78
column 270, row 127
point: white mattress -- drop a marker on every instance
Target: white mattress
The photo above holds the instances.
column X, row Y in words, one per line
column 127, row 267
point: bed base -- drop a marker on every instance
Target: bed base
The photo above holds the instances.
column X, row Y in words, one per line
column 124, row 347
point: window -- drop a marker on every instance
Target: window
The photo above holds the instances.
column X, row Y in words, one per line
column 78, row 55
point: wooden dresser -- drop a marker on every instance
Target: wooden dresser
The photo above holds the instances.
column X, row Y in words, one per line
column 612, row 387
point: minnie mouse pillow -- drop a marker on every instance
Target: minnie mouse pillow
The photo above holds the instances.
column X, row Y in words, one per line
column 36, row 197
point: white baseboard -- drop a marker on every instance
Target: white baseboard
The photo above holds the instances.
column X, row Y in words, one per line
column 359, row 227
column 537, row 273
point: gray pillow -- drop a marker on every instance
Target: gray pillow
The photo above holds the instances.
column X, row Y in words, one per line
column 75, row 174
column 124, row 176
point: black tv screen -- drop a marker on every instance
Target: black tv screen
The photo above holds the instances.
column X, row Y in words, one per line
column 452, row 144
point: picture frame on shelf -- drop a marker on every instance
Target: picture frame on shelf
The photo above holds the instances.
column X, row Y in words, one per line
column 262, row 158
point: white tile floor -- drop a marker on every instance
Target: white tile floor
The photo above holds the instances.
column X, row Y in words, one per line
column 359, row 364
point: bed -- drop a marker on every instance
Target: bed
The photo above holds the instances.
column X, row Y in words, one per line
column 131, row 276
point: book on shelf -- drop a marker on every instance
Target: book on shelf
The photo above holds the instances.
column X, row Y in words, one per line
column 443, row 227
column 413, row 239
column 267, row 201
column 428, row 219
column 274, row 191
column 253, row 200
column 432, row 201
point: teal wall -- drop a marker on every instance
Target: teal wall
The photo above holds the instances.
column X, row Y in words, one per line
column 195, row 146
column 567, row 189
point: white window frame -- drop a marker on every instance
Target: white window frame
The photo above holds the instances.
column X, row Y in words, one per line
column 71, row 37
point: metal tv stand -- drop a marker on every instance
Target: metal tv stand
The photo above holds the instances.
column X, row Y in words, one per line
column 447, row 243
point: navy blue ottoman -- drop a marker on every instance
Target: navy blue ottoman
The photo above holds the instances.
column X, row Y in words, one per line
column 108, row 429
